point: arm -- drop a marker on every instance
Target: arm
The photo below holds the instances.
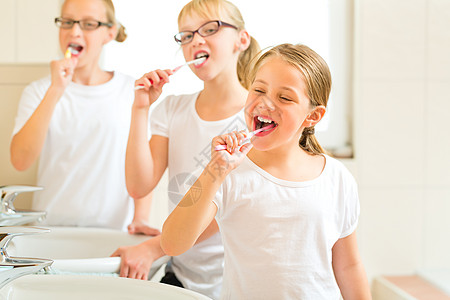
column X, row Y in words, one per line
column 26, row 145
column 196, row 211
column 141, row 217
column 348, row 269
column 142, row 172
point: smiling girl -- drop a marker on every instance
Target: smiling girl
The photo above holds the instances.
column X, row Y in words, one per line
column 287, row 212
column 77, row 121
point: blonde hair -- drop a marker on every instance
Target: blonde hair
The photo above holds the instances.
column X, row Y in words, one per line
column 221, row 8
column 111, row 18
column 316, row 76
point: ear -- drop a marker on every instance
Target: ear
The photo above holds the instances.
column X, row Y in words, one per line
column 111, row 35
column 243, row 42
column 314, row 116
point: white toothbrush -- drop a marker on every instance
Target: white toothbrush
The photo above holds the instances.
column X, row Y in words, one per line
column 247, row 139
column 195, row 61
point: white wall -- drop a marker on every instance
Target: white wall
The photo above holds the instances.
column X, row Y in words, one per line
column 402, row 118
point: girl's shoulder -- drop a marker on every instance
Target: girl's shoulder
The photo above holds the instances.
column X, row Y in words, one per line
column 174, row 103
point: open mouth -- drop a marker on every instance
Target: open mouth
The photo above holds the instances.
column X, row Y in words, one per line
column 75, row 49
column 201, row 54
column 261, row 122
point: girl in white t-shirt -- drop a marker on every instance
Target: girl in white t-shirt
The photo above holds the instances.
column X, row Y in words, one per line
column 287, row 212
column 182, row 129
column 76, row 121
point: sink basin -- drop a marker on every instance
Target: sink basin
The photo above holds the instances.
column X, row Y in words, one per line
column 79, row 249
column 71, row 287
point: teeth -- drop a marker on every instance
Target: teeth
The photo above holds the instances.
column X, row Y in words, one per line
column 261, row 119
column 202, row 54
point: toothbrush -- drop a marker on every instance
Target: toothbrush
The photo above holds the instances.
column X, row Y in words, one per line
column 195, row 61
column 248, row 138
column 68, row 53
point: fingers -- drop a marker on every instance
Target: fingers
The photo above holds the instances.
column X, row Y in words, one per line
column 233, row 140
column 155, row 78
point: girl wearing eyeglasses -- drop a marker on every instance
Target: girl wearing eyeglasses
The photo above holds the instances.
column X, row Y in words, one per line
column 76, row 122
column 182, row 127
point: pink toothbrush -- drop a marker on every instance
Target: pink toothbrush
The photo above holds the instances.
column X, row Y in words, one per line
column 195, row 61
column 248, row 138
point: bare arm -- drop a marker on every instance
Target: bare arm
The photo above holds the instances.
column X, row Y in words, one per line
column 349, row 270
column 142, row 171
column 141, row 217
column 196, row 211
column 26, row 145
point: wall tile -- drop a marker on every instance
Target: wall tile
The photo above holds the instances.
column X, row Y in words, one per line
column 438, row 50
column 37, row 35
column 390, row 134
column 9, row 31
column 437, row 229
column 437, row 136
column 392, row 230
column 392, row 34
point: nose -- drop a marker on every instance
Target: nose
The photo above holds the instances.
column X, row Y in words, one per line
column 76, row 29
column 197, row 39
column 265, row 103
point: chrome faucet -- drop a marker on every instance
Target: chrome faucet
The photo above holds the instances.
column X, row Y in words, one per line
column 14, row 267
column 9, row 216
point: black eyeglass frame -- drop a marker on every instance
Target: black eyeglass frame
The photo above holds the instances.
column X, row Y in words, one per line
column 59, row 20
column 220, row 23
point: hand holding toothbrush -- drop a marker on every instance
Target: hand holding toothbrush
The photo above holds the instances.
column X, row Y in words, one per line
column 149, row 87
column 223, row 162
column 62, row 70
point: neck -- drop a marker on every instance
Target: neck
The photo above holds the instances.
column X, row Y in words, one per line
column 224, row 89
column 289, row 163
column 91, row 75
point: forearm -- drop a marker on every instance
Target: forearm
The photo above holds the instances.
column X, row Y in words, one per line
column 139, row 162
column 193, row 214
column 27, row 144
column 353, row 283
column 142, row 208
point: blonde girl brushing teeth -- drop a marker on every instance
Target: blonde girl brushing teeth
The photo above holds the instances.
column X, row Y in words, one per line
column 76, row 122
column 287, row 212
column 182, row 128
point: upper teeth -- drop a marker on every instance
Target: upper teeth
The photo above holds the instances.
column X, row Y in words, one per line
column 261, row 119
column 201, row 54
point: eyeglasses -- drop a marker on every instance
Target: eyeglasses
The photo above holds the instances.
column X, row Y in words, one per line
column 84, row 24
column 206, row 29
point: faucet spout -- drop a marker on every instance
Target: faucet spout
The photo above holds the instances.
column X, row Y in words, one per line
column 9, row 216
column 14, row 267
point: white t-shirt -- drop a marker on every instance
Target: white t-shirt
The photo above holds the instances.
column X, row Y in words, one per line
column 200, row 268
column 278, row 235
column 82, row 163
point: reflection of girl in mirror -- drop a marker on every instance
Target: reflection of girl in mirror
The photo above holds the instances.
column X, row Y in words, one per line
column 182, row 128
column 76, row 121
column 287, row 212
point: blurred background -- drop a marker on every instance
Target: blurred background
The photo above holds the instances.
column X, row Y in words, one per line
column 388, row 117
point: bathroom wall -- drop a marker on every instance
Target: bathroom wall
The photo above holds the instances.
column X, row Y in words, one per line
column 401, row 114
column 401, row 123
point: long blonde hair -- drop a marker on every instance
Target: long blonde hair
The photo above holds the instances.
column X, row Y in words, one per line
column 316, row 75
column 221, row 8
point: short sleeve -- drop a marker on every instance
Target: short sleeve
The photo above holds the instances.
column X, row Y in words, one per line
column 351, row 208
column 159, row 119
column 29, row 101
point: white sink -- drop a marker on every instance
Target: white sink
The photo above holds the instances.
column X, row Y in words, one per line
column 78, row 249
column 71, row 287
